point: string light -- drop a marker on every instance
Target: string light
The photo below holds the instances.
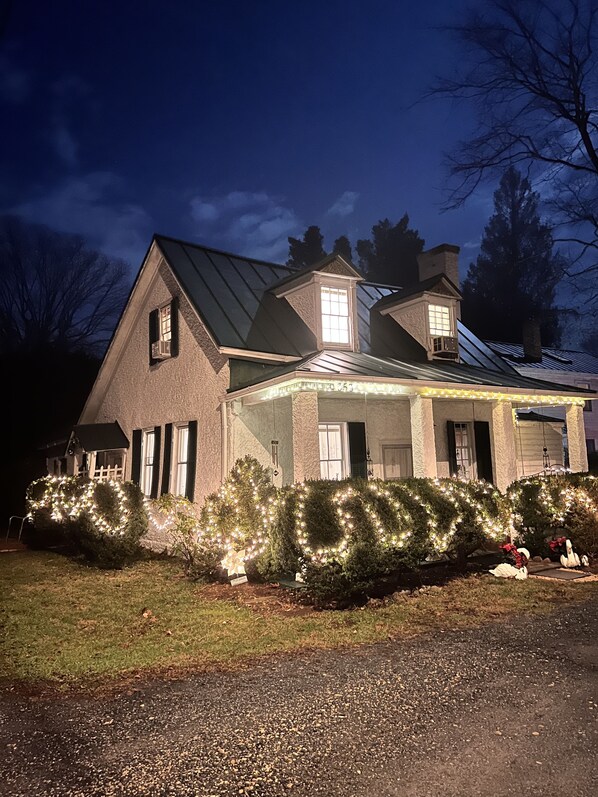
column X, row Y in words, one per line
column 68, row 498
column 302, row 384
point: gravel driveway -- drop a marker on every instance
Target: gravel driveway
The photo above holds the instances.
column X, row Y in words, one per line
column 500, row 710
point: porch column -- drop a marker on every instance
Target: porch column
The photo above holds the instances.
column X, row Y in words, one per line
column 306, row 442
column 423, row 441
column 503, row 444
column 576, row 438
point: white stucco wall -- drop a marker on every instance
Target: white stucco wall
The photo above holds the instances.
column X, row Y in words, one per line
column 183, row 388
column 252, row 429
column 413, row 318
column 387, row 422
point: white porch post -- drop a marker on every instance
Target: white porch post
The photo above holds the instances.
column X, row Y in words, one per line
column 306, row 442
column 576, row 438
column 423, row 442
column 503, row 443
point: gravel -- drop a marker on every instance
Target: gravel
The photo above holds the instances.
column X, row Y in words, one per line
column 504, row 709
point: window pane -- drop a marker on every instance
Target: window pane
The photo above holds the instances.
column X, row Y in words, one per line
column 440, row 320
column 165, row 326
column 331, row 451
column 335, row 315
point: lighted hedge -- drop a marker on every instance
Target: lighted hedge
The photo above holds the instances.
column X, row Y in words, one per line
column 549, row 506
column 103, row 521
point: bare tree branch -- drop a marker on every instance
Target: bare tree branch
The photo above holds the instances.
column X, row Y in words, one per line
column 55, row 290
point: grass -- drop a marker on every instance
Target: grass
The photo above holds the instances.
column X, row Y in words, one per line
column 63, row 623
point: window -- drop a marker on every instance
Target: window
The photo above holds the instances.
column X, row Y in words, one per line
column 181, row 460
column 165, row 323
column 591, row 445
column 335, row 315
column 439, row 317
column 332, row 450
column 147, row 461
column 463, row 451
column 397, row 462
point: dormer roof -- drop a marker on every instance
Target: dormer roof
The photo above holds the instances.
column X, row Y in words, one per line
column 439, row 285
column 334, row 264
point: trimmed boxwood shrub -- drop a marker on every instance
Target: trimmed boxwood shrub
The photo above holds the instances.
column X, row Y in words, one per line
column 552, row 506
column 347, row 537
column 101, row 521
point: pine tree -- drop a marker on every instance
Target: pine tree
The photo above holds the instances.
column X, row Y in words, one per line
column 304, row 252
column 390, row 256
column 516, row 273
column 342, row 246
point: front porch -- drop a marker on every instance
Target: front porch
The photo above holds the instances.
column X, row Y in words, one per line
column 315, row 429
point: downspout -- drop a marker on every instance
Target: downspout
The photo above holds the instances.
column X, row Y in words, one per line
column 224, row 445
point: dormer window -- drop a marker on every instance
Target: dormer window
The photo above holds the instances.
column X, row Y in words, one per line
column 336, row 326
column 440, row 320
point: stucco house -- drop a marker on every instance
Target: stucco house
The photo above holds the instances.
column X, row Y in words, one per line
column 316, row 373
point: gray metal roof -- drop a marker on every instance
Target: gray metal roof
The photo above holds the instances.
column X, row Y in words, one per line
column 232, row 295
column 566, row 360
column 359, row 364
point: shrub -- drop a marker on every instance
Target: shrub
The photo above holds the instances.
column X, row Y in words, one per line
column 101, row 521
column 349, row 537
column 201, row 556
column 563, row 505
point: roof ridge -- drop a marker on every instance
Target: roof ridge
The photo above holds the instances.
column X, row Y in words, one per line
column 157, row 236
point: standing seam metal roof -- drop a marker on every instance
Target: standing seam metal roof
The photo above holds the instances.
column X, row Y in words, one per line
column 358, row 364
column 232, row 295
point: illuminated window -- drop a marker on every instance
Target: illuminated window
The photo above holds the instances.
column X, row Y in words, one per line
column 335, row 315
column 439, row 317
column 165, row 323
column 332, row 450
column 147, row 459
column 181, row 460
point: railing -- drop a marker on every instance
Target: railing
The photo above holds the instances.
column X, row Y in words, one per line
column 107, row 474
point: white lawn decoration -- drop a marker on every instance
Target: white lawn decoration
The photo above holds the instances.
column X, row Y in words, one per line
column 505, row 570
column 234, row 563
column 571, row 559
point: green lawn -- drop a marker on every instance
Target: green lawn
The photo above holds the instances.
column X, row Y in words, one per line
column 65, row 623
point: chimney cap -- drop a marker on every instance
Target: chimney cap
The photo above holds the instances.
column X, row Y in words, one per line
column 436, row 250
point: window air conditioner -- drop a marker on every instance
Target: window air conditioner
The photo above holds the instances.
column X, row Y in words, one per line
column 445, row 346
column 161, row 349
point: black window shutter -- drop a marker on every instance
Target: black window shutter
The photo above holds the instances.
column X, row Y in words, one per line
column 136, row 457
column 156, row 465
column 191, row 461
column 452, row 448
column 167, row 458
column 357, row 450
column 174, row 327
column 154, row 333
column 483, row 453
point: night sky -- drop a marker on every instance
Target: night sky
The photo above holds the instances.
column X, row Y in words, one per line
column 235, row 124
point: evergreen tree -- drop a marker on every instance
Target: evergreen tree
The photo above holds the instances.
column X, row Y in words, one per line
column 304, row 252
column 390, row 256
column 342, row 246
column 516, row 273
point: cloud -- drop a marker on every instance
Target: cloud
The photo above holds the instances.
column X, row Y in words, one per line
column 344, row 205
column 91, row 205
column 252, row 222
column 472, row 244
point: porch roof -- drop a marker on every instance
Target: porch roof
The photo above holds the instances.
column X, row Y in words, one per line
column 350, row 364
column 100, row 436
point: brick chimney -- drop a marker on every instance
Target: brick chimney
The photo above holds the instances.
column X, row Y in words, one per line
column 442, row 259
column 532, row 341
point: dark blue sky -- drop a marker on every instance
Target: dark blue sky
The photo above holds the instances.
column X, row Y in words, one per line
column 236, row 124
